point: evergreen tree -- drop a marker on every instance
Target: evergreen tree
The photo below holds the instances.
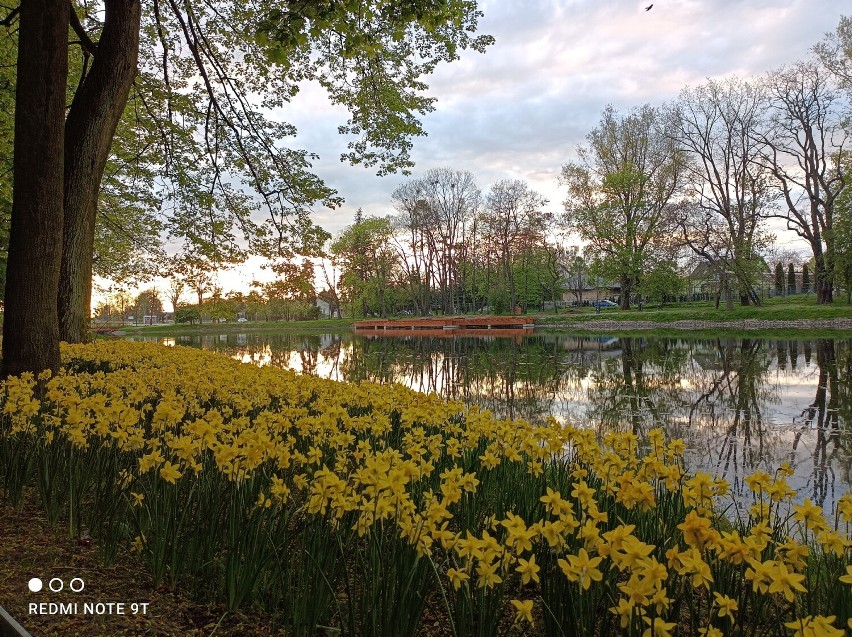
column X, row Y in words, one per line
column 806, row 279
column 791, row 279
column 779, row 279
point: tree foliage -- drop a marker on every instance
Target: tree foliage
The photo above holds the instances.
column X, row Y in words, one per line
column 368, row 265
column 514, row 223
column 212, row 80
column 843, row 242
column 218, row 72
column 620, row 191
column 662, row 282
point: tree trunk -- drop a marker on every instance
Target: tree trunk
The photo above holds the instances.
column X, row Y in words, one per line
column 89, row 129
column 31, row 324
column 824, row 282
column 626, row 291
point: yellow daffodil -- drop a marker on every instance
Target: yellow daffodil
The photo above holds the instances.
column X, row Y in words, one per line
column 808, row 513
column 487, row 574
column 528, row 570
column 657, row 627
column 523, row 610
column 817, row 626
column 581, row 568
column 727, row 606
column 786, row 582
column 624, row 611
column 457, row 577
column 170, row 473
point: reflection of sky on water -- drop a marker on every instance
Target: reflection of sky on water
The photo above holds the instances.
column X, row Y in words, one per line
column 738, row 404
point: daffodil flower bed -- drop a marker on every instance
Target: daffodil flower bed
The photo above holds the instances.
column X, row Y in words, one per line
column 367, row 509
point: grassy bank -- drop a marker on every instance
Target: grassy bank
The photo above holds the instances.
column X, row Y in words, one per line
column 318, row 325
column 582, row 329
column 777, row 309
column 371, row 510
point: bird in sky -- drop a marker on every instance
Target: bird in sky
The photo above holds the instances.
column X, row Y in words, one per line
column 649, row 7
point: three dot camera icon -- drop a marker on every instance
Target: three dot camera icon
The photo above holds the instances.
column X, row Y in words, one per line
column 64, row 606
column 57, row 585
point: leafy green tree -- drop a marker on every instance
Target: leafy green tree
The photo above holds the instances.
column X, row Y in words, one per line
column 835, row 51
column 207, row 73
column 806, row 279
column 122, row 300
column 513, row 222
column 536, row 275
column 127, row 241
column 843, row 242
column 187, row 314
column 791, row 279
column 577, row 276
column 255, row 304
column 368, row 263
column 195, row 272
column 294, row 281
column 148, row 304
column 662, row 282
column 620, row 190
column 219, row 308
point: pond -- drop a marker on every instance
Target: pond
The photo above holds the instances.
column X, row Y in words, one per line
column 739, row 403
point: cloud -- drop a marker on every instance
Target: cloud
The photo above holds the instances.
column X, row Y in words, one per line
column 521, row 109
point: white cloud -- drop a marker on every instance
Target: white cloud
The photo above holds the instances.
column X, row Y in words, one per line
column 521, row 109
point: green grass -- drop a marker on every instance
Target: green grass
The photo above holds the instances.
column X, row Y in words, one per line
column 671, row 332
column 779, row 309
column 783, row 309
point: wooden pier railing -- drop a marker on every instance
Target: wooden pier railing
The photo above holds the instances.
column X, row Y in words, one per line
column 448, row 323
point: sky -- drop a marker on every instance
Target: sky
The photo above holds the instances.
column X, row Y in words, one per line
column 520, row 110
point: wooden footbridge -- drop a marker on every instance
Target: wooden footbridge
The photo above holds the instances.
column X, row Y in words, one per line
column 448, row 326
column 107, row 327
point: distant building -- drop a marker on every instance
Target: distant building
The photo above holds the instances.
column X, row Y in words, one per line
column 579, row 285
column 705, row 280
column 324, row 308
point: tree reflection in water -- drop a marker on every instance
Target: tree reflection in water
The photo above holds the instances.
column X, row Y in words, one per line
column 740, row 404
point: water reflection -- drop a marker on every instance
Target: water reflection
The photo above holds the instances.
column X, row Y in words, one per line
column 740, row 404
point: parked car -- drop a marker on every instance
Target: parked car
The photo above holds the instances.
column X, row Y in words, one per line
column 242, row 319
column 604, row 303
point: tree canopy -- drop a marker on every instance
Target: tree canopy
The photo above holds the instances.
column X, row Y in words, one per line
column 620, row 191
column 206, row 107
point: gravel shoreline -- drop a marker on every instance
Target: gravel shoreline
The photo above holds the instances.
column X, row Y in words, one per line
column 745, row 324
